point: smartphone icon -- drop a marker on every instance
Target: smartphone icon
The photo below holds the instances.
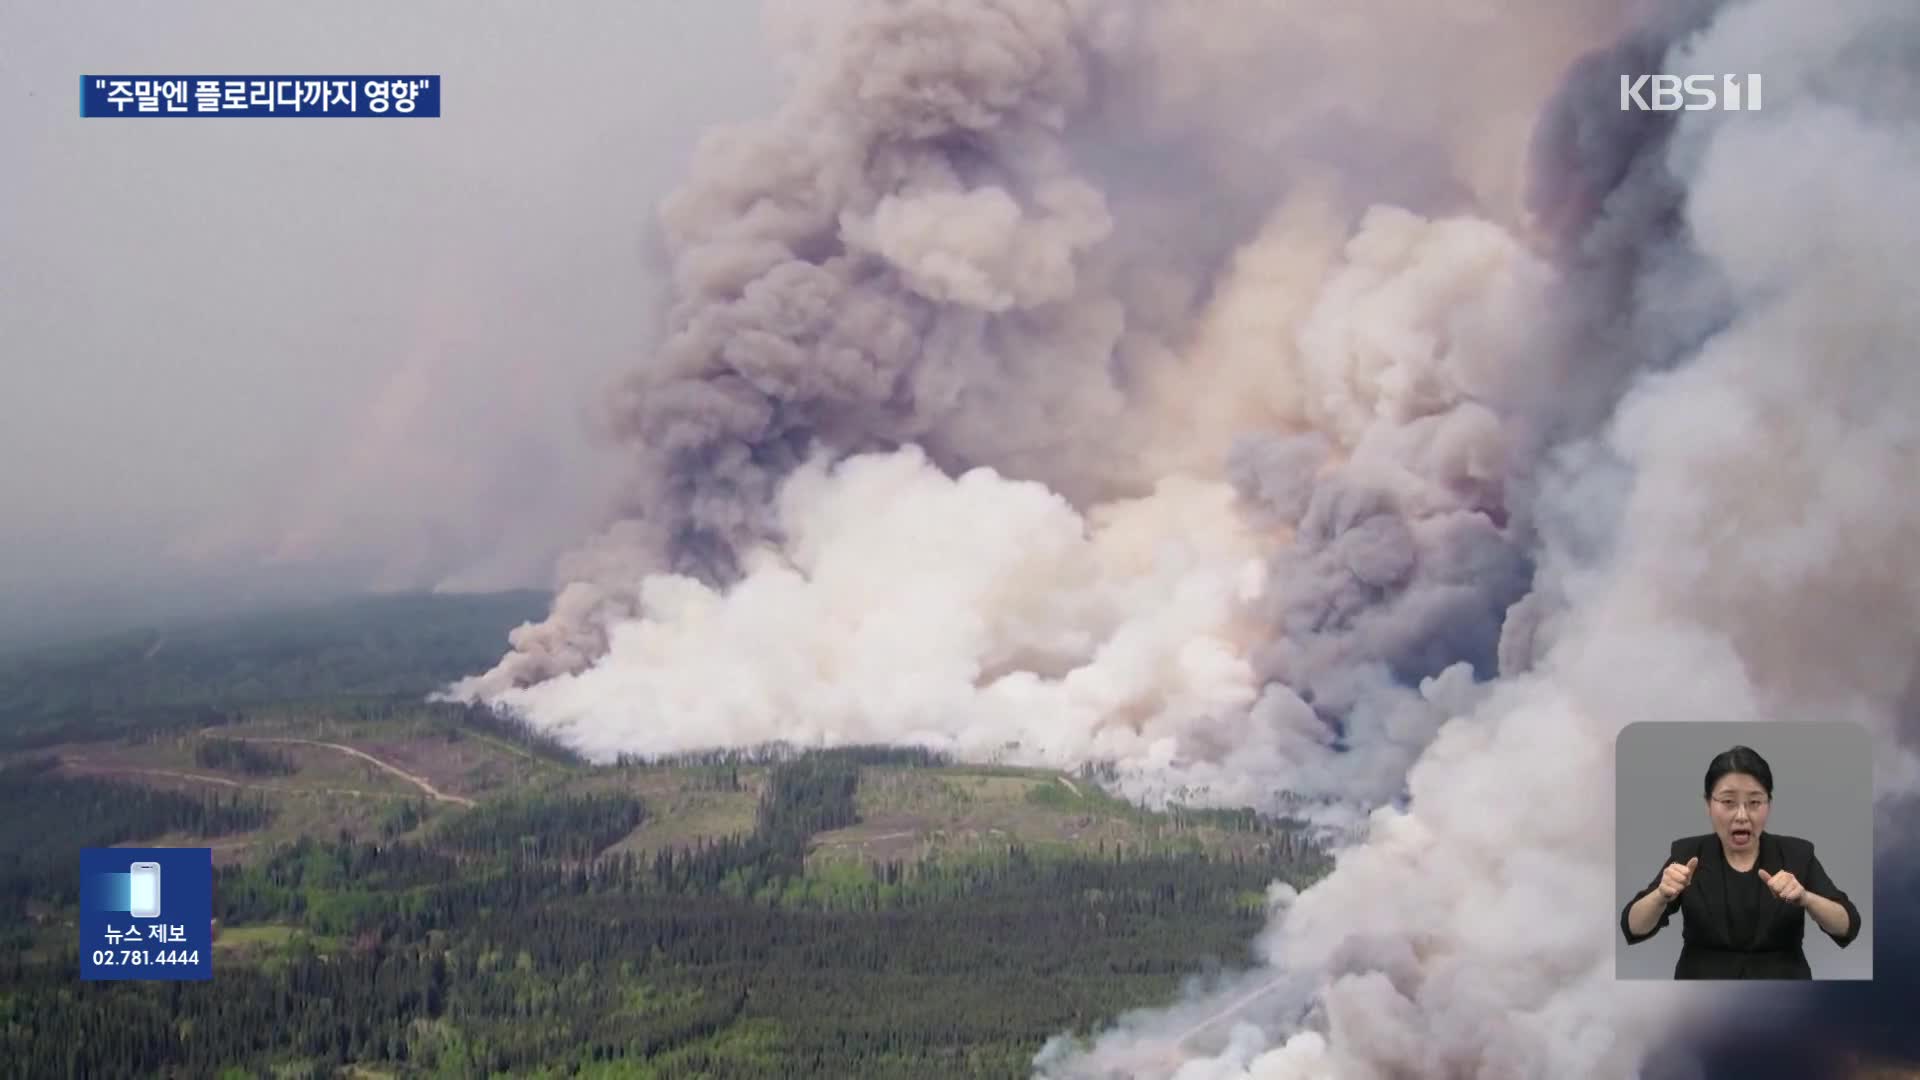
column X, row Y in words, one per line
column 145, row 893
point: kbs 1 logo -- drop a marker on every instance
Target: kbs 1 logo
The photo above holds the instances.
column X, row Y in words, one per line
column 1693, row 93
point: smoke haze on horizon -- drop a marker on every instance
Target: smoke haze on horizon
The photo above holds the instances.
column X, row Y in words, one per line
column 256, row 362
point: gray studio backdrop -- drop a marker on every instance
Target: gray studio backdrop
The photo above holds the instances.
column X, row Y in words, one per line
column 1822, row 792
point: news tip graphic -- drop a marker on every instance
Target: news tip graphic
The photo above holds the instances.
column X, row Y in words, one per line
column 146, row 913
column 366, row 96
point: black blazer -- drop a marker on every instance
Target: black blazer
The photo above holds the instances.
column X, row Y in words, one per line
column 1774, row 949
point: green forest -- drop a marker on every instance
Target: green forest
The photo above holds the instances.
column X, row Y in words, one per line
column 715, row 915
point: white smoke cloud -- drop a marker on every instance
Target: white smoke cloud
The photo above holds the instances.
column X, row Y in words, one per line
column 982, row 227
column 976, row 614
column 1764, row 569
column 1351, row 332
column 990, row 617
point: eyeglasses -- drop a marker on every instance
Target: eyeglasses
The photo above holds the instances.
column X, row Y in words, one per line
column 1754, row 806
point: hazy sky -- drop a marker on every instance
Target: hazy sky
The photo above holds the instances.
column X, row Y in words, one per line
column 351, row 352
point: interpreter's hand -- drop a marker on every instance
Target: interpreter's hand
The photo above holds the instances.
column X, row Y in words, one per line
column 1786, row 887
column 1675, row 878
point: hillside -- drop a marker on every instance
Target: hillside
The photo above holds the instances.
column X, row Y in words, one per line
column 417, row 890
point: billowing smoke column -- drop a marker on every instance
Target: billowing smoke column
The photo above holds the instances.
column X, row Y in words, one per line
column 1045, row 397
column 1730, row 545
column 1180, row 387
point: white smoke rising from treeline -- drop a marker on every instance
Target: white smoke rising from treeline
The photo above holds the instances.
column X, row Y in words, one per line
column 990, row 617
column 1180, row 386
column 978, row 236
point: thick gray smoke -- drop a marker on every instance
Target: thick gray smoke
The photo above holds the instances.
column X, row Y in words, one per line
column 903, row 239
column 1200, row 389
column 915, row 251
column 1075, row 255
column 1728, row 547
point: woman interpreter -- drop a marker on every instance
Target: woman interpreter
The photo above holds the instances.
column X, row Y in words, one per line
column 1744, row 894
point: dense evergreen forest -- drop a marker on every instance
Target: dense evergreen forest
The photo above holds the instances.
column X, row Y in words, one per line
column 243, row 757
column 497, row 946
column 519, row 937
column 46, row 818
